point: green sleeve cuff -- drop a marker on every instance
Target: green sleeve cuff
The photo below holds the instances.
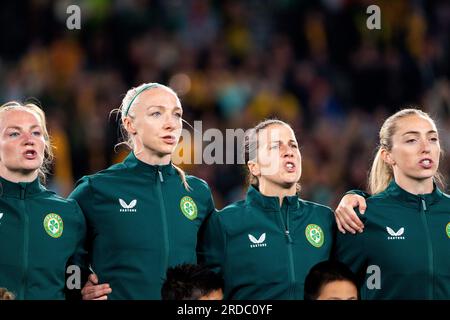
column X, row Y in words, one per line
column 359, row 193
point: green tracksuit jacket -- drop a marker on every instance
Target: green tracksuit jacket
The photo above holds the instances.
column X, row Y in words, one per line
column 39, row 233
column 407, row 237
column 141, row 220
column 264, row 251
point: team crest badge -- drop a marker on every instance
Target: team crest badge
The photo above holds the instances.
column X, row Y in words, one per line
column 314, row 235
column 188, row 207
column 447, row 228
column 53, row 225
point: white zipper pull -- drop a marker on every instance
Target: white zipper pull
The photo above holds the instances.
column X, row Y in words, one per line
column 288, row 235
column 160, row 176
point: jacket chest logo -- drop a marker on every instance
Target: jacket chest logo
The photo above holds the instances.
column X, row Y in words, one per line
column 395, row 235
column 188, row 208
column 1, row 216
column 260, row 242
column 127, row 207
column 53, row 225
column 447, row 229
column 314, row 235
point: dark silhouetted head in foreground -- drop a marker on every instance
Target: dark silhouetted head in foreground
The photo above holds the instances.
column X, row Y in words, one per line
column 331, row 280
column 192, row 282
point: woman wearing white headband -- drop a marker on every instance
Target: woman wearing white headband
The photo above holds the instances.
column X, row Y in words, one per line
column 144, row 213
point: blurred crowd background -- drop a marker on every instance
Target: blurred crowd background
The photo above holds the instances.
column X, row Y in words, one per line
column 314, row 64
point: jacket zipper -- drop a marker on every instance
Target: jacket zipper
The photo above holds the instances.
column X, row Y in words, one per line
column 290, row 254
column 429, row 247
column 25, row 244
column 164, row 221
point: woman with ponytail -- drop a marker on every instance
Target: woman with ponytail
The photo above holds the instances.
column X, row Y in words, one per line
column 265, row 245
column 403, row 252
column 143, row 214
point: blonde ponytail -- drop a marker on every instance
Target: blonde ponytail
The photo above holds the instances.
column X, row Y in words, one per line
column 380, row 174
column 183, row 177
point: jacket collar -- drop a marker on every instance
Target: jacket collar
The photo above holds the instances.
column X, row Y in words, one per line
column 395, row 191
column 20, row 190
column 132, row 162
column 256, row 198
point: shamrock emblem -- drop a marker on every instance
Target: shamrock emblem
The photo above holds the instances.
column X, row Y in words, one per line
column 315, row 235
column 188, row 208
column 53, row 226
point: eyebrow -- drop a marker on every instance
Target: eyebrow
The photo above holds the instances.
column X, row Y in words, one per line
column 417, row 132
column 163, row 107
column 19, row 128
column 279, row 141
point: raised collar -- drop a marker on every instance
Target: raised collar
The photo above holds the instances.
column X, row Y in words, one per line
column 132, row 162
column 395, row 191
column 256, row 198
column 20, row 190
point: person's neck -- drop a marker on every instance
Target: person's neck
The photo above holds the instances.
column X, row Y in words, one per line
column 416, row 187
column 18, row 176
column 152, row 158
column 274, row 190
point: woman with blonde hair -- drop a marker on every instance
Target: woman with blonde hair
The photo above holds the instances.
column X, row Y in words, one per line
column 41, row 232
column 143, row 214
column 403, row 252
